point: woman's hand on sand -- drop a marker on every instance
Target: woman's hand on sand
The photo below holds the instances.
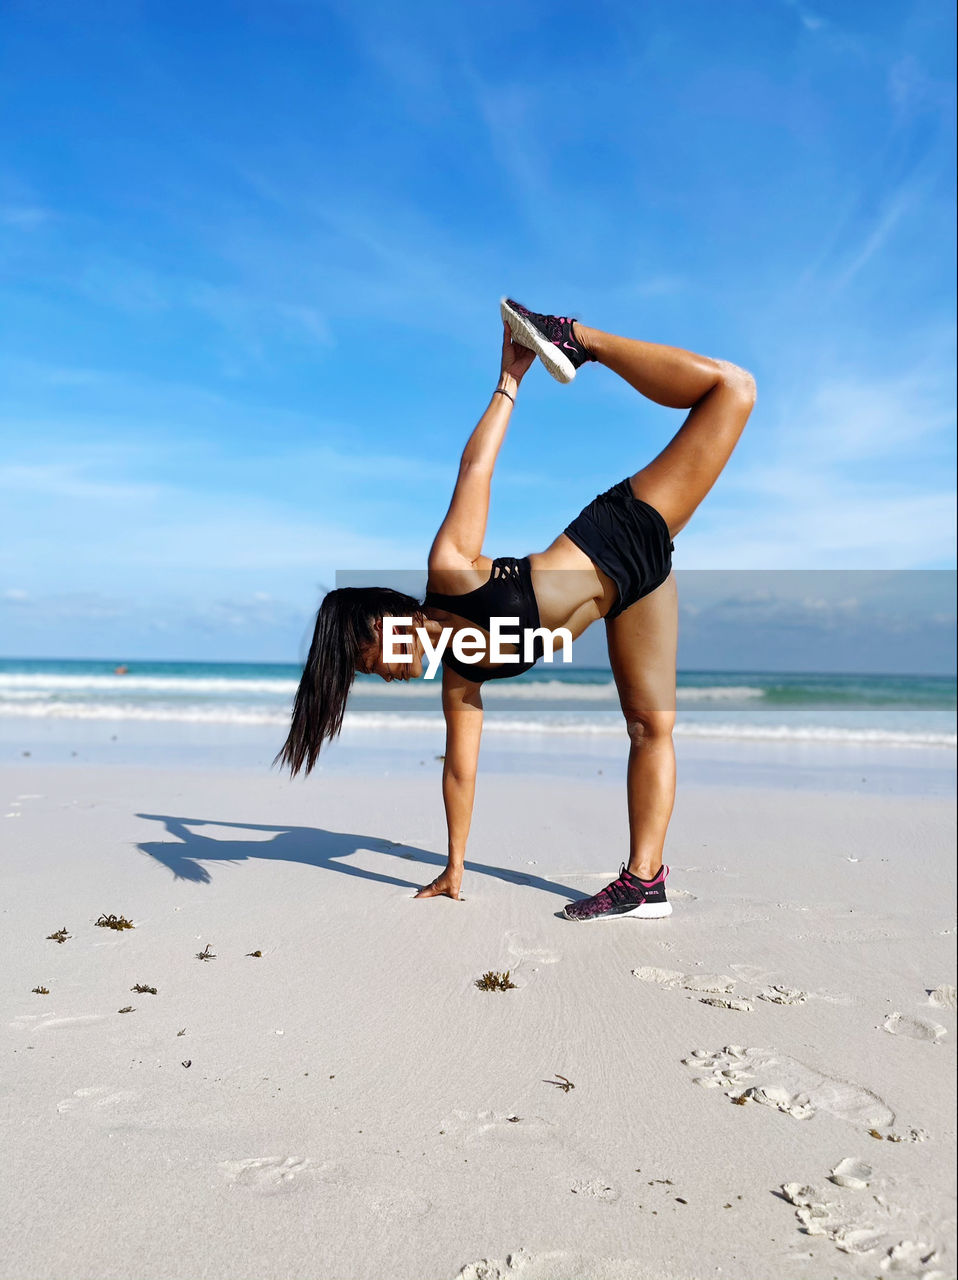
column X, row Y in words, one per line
column 445, row 885
column 516, row 360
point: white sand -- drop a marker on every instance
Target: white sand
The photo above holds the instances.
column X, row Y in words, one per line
column 356, row 1108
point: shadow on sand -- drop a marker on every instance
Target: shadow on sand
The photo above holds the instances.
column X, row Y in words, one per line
column 312, row 846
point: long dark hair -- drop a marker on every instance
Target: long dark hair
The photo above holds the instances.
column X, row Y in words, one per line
column 345, row 625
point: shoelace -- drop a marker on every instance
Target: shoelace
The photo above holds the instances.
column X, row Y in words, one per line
column 615, row 892
column 619, row 889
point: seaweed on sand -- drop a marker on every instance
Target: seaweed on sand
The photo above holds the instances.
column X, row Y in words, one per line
column 561, row 1082
column 114, row 922
column 495, row 982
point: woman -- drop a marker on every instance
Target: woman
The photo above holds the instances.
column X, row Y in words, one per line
column 612, row 562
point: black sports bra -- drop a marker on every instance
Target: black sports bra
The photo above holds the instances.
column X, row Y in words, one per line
column 507, row 594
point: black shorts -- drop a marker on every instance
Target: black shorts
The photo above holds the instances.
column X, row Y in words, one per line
column 627, row 539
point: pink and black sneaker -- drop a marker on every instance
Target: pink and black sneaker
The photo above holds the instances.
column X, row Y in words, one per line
column 550, row 337
column 627, row 896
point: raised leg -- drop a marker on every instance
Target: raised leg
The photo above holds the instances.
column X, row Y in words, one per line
column 720, row 396
column 642, row 648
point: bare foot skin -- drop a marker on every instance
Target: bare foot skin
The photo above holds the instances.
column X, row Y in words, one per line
column 445, row 885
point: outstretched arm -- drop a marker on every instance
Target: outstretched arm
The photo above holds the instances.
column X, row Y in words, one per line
column 459, row 540
column 462, row 708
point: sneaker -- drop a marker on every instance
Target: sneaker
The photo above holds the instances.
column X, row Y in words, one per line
column 627, row 896
column 550, row 337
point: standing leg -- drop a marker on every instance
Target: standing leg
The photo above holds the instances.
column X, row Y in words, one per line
column 720, row 396
column 642, row 644
column 642, row 648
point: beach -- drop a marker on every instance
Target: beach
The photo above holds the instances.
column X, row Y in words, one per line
column 355, row 1106
column 760, row 1085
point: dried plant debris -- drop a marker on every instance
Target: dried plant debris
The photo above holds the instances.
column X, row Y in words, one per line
column 912, row 1135
column 114, row 922
column 61, row 935
column 495, row 982
column 182, row 1033
column 127, row 1008
column 258, row 954
column 141, row 990
column 41, row 991
column 561, row 1082
column 206, row 953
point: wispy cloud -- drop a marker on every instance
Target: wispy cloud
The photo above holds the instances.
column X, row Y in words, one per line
column 256, row 324
column 121, row 527
column 246, row 355
column 907, row 198
column 809, row 520
column 851, row 472
column 59, row 480
column 864, row 228
column 844, row 38
column 848, row 419
column 913, row 89
column 809, row 19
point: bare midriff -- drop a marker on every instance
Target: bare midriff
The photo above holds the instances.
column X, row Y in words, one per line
column 570, row 590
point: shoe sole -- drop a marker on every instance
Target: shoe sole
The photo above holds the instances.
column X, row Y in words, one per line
column 647, row 911
column 527, row 335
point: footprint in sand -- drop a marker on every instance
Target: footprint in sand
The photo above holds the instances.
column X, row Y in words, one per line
column 874, row 1228
column 94, row 1097
column 783, row 995
column 267, row 1175
column 821, row 1217
column 523, row 948
column 901, row 1024
column 712, row 983
column 524, row 1137
column 727, row 1002
column 500, row 1126
column 942, row 997
column 909, row 1258
column 717, row 989
column 787, row 1085
column 711, row 988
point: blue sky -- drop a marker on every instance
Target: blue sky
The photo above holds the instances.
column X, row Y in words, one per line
column 252, row 255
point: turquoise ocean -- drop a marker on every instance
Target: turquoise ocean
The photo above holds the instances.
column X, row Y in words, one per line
column 893, row 710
